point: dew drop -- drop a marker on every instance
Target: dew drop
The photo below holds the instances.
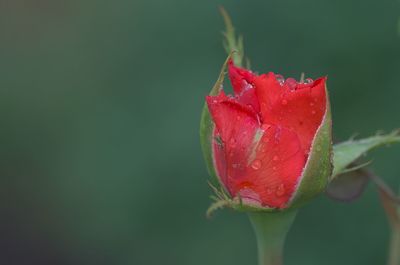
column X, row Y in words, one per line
column 284, row 102
column 308, row 81
column 247, row 86
column 291, row 83
column 312, row 104
column 256, row 164
column 262, row 148
column 275, row 158
column 269, row 190
column 274, row 168
column 265, row 127
column 313, row 112
column 280, row 191
column 280, row 79
column 277, row 134
column 238, row 117
column 263, row 105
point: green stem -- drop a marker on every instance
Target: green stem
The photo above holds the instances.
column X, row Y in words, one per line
column 271, row 230
column 394, row 247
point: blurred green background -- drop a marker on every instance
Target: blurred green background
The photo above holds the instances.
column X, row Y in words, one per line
column 99, row 108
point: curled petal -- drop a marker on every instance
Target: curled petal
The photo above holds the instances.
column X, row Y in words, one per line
column 236, row 126
column 300, row 110
column 241, row 80
column 273, row 168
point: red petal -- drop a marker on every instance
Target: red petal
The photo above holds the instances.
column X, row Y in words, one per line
column 299, row 110
column 263, row 165
column 241, row 80
column 273, row 169
column 235, row 126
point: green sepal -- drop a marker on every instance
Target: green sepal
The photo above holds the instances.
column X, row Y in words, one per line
column 223, row 200
column 236, row 204
column 318, row 168
column 207, row 127
column 348, row 152
column 231, row 42
column 234, row 48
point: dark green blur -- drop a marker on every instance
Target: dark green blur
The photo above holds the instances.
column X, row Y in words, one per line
column 100, row 101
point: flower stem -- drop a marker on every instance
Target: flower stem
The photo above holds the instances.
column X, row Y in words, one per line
column 271, row 230
column 394, row 247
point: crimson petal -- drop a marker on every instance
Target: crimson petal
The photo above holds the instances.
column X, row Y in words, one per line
column 236, row 126
column 241, row 80
column 273, row 169
column 300, row 110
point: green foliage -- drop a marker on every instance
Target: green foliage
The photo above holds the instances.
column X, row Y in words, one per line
column 231, row 42
column 348, row 152
column 207, row 126
column 349, row 178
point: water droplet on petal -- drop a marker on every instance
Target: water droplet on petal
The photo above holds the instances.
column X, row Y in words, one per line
column 247, row 86
column 274, row 168
column 256, row 164
column 269, row 190
column 275, row 158
column 262, row 148
column 265, row 127
column 278, row 134
column 312, row 104
column 291, row 83
column 280, row 79
column 280, row 191
column 238, row 117
column 263, row 105
column 308, row 81
column 284, row 102
column 232, row 142
column 313, row 112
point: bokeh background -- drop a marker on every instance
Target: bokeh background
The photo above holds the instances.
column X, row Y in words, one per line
column 100, row 161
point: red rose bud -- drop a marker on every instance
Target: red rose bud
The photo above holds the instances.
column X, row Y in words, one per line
column 271, row 143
